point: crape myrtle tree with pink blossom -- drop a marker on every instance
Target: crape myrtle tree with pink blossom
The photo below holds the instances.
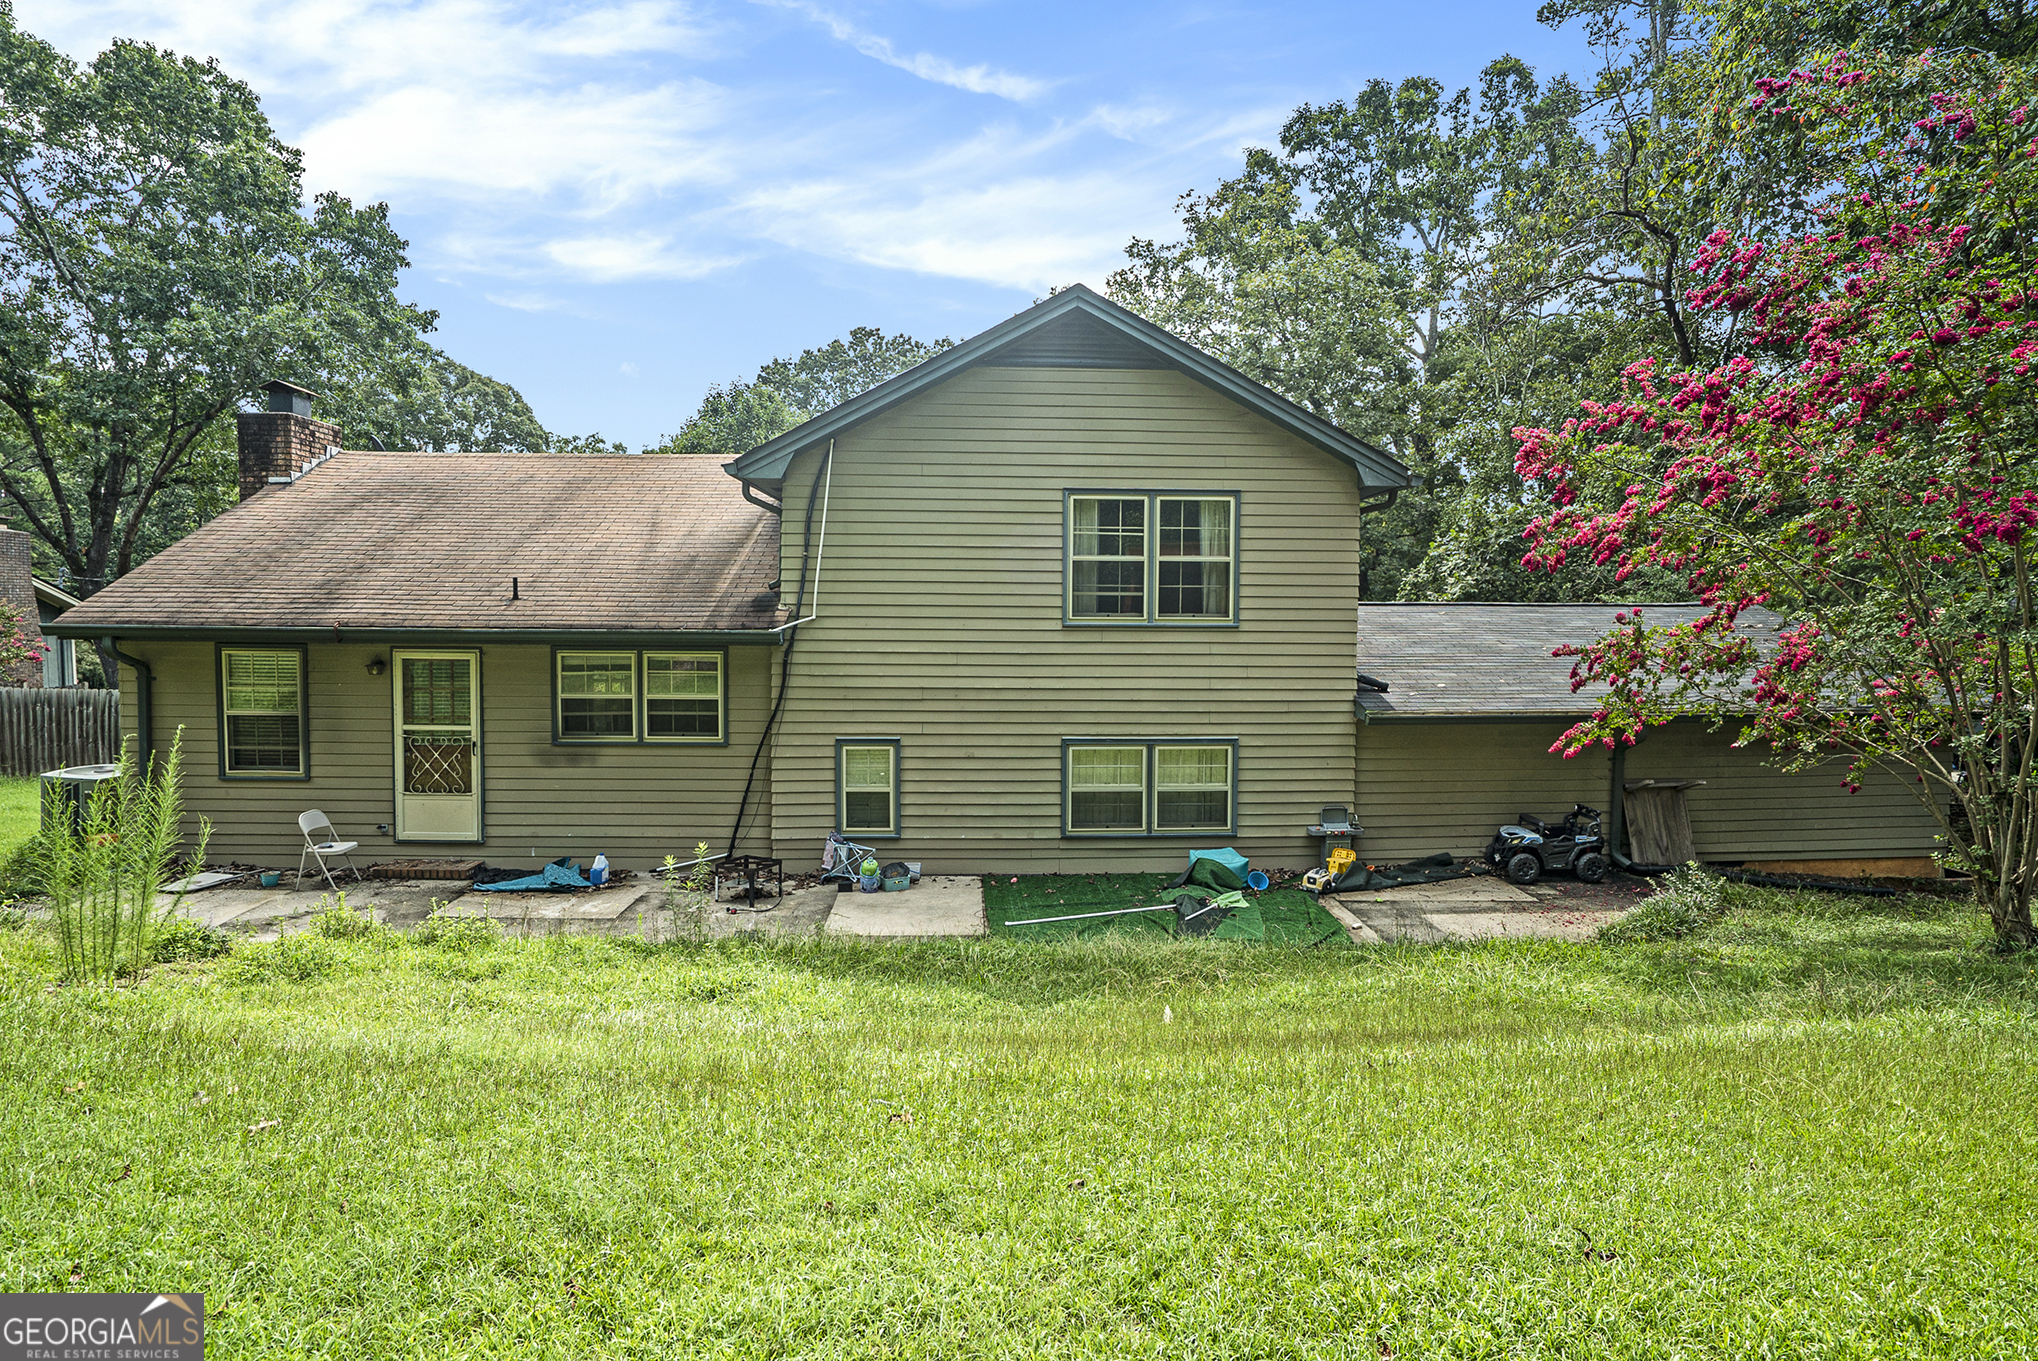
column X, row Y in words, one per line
column 1862, row 465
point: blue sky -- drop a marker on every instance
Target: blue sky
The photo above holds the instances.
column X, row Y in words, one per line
column 614, row 204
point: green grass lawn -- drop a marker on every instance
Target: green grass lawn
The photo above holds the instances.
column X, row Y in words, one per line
column 20, row 810
column 1796, row 1134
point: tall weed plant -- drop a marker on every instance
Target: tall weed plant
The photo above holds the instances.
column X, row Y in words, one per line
column 104, row 866
column 1691, row 899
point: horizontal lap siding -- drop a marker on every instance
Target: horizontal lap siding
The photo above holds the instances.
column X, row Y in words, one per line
column 1429, row 787
column 636, row 803
column 1751, row 811
column 1426, row 787
column 940, row 614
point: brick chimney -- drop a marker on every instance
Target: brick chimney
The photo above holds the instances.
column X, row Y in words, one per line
column 282, row 441
column 17, row 588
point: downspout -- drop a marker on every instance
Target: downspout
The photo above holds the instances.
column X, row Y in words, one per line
column 144, row 702
column 827, row 468
column 785, row 658
column 750, row 495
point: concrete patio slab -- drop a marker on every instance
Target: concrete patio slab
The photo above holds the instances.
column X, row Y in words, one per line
column 599, row 905
column 939, row 905
column 1539, row 923
column 800, row 913
column 1360, row 933
column 1483, row 908
column 1485, row 889
column 257, row 909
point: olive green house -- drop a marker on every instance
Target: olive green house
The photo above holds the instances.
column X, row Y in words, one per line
column 1070, row 595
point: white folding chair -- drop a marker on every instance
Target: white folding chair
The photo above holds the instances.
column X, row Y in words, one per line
column 314, row 847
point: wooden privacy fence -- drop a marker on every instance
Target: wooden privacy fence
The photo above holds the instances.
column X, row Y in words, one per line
column 49, row 729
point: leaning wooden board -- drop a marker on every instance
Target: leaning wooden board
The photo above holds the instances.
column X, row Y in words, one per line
column 1659, row 821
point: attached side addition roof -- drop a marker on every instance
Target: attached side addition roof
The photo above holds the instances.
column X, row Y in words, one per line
column 1075, row 328
column 1493, row 661
column 505, row 547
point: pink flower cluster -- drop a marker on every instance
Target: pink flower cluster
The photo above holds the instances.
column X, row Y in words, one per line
column 1989, row 515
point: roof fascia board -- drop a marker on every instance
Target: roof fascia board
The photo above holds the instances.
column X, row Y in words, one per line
column 766, row 464
column 344, row 634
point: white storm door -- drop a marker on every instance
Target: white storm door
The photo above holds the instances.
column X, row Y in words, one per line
column 438, row 745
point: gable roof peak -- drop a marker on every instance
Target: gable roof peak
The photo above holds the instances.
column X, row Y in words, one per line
column 1094, row 332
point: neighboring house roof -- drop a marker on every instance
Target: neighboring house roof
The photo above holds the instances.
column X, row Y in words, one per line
column 401, row 543
column 1073, row 329
column 1493, row 661
column 55, row 597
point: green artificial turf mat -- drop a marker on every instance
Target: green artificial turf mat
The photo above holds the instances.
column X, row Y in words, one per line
column 1286, row 916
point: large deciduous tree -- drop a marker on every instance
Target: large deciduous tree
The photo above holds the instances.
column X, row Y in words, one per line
column 1862, row 465
column 737, row 417
column 158, row 263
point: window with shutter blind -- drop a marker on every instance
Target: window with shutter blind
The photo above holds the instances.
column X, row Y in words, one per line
column 262, row 719
column 1161, row 787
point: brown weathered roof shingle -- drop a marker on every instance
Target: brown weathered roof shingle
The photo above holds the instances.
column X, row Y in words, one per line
column 657, row 543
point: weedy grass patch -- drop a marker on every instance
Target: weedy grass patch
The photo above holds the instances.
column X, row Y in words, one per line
column 1802, row 1130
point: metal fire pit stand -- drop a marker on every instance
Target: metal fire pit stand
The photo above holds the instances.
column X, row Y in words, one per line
column 749, row 867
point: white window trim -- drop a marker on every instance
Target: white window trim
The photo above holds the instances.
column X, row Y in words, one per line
column 1229, row 785
column 559, row 698
column 842, row 749
column 721, row 732
column 1150, row 747
column 1151, row 577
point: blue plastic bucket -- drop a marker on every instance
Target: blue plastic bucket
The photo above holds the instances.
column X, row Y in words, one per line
column 1257, row 881
column 868, row 883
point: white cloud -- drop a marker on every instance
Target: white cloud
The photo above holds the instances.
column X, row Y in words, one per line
column 609, row 259
column 529, row 302
column 535, row 147
column 1130, row 125
column 979, row 79
column 600, row 145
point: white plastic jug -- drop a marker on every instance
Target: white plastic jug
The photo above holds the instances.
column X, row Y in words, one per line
column 599, row 873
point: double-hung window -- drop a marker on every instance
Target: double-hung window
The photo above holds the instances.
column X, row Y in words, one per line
column 867, row 788
column 638, row 696
column 262, row 727
column 1152, row 558
column 1137, row 788
column 683, row 696
column 597, row 696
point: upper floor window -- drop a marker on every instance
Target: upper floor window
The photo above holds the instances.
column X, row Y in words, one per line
column 1152, row 557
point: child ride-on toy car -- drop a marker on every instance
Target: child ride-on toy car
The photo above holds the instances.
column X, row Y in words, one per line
column 1524, row 851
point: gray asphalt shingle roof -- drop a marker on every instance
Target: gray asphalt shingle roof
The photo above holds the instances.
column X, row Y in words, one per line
column 1481, row 660
column 654, row 543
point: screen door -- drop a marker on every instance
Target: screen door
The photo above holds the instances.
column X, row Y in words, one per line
column 438, row 746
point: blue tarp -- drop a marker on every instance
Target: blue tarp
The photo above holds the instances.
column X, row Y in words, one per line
column 1224, row 856
column 557, row 877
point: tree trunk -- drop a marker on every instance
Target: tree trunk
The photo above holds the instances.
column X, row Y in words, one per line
column 2009, row 910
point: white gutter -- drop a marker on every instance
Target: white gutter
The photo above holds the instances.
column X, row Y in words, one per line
column 820, row 543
